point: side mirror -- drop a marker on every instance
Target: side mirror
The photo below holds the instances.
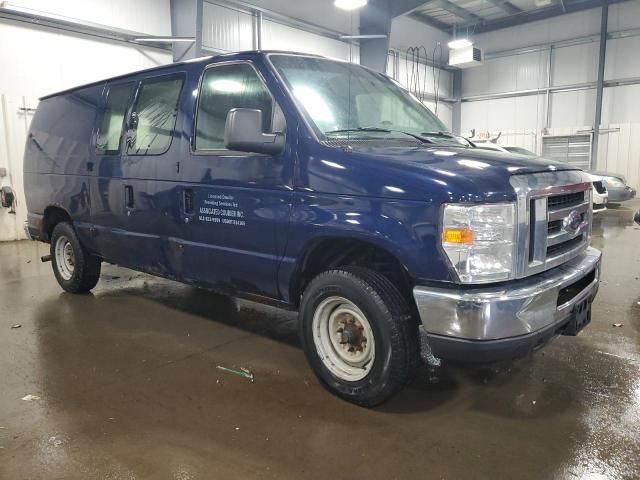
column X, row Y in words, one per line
column 243, row 132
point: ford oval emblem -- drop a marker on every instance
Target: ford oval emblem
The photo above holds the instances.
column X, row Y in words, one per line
column 572, row 222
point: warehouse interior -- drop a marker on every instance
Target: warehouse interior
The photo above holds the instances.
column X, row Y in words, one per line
column 125, row 382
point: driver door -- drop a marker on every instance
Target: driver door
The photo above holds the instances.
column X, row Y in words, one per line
column 234, row 206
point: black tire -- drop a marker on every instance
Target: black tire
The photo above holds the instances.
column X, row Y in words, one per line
column 395, row 333
column 86, row 267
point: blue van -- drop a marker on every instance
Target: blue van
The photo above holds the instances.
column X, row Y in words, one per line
column 320, row 186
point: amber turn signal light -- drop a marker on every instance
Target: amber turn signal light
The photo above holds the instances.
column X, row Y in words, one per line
column 458, row 235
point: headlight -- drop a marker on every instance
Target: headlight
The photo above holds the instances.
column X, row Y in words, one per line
column 614, row 182
column 480, row 241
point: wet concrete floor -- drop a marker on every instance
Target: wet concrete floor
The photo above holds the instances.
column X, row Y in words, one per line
column 129, row 389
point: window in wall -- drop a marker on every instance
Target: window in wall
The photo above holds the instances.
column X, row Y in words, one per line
column 224, row 88
column 110, row 131
column 154, row 117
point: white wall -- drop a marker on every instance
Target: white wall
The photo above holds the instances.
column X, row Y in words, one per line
column 226, row 29
column 319, row 12
column 230, row 30
column 44, row 61
column 36, row 61
column 283, row 37
column 407, row 32
column 429, row 80
column 143, row 16
column 570, row 110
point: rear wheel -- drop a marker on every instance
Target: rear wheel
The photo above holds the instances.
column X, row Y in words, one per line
column 76, row 270
column 358, row 335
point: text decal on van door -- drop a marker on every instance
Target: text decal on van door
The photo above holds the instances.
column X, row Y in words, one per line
column 223, row 209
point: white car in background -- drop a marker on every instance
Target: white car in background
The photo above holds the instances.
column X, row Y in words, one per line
column 600, row 194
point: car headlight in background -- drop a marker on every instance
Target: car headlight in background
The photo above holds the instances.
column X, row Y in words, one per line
column 480, row 241
column 613, row 182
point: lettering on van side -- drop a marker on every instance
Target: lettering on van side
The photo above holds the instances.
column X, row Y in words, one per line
column 221, row 209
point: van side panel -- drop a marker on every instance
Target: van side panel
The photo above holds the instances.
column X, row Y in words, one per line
column 58, row 154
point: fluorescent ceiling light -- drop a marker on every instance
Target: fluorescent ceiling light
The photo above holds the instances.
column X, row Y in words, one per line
column 349, row 4
column 362, row 37
column 459, row 43
column 165, row 39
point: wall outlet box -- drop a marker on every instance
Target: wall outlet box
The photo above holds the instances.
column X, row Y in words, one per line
column 3, row 172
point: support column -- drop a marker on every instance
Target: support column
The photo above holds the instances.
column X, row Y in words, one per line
column 595, row 141
column 375, row 19
column 186, row 21
column 456, row 119
column 257, row 30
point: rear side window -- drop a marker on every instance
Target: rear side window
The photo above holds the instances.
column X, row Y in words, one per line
column 223, row 88
column 154, row 116
column 110, row 131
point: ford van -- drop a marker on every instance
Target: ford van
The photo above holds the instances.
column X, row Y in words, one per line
column 320, row 186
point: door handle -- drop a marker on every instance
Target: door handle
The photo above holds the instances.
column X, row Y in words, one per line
column 187, row 201
column 128, row 196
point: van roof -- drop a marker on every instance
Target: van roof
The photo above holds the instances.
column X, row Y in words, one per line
column 176, row 64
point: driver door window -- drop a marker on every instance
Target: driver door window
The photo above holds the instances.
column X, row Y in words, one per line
column 223, row 88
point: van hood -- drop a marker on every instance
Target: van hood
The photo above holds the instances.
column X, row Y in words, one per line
column 439, row 173
column 465, row 161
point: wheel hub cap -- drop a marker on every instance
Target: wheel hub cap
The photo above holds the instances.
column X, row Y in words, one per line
column 343, row 338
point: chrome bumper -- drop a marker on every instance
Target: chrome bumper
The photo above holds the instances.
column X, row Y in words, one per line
column 522, row 307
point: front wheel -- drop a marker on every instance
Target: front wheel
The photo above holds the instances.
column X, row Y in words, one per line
column 358, row 335
column 76, row 270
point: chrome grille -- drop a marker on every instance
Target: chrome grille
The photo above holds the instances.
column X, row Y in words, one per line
column 554, row 219
column 565, row 200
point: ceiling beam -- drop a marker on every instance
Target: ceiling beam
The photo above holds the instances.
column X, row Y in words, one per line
column 458, row 11
column 535, row 15
column 507, row 7
column 404, row 7
column 432, row 22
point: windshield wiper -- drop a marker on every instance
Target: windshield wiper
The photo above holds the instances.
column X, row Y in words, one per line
column 452, row 136
column 379, row 130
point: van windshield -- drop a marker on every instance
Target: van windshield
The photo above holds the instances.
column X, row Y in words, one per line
column 342, row 100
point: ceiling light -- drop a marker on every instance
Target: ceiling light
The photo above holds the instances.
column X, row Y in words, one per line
column 349, row 4
column 362, row 37
column 165, row 39
column 460, row 43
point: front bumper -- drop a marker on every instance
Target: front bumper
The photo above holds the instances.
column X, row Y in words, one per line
column 492, row 323
column 620, row 194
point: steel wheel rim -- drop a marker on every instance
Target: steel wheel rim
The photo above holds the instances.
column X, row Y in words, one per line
column 65, row 258
column 343, row 339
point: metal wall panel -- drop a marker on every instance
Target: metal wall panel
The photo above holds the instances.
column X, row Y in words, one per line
column 563, row 27
column 622, row 58
column 621, row 104
column 575, row 64
column 152, row 17
column 226, row 29
column 620, row 151
column 624, row 15
column 573, row 109
column 426, row 75
column 517, row 113
column 83, row 60
column 319, row 12
column 283, row 37
column 444, row 112
column 506, row 74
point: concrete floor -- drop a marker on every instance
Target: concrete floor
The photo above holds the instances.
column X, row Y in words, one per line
column 129, row 389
